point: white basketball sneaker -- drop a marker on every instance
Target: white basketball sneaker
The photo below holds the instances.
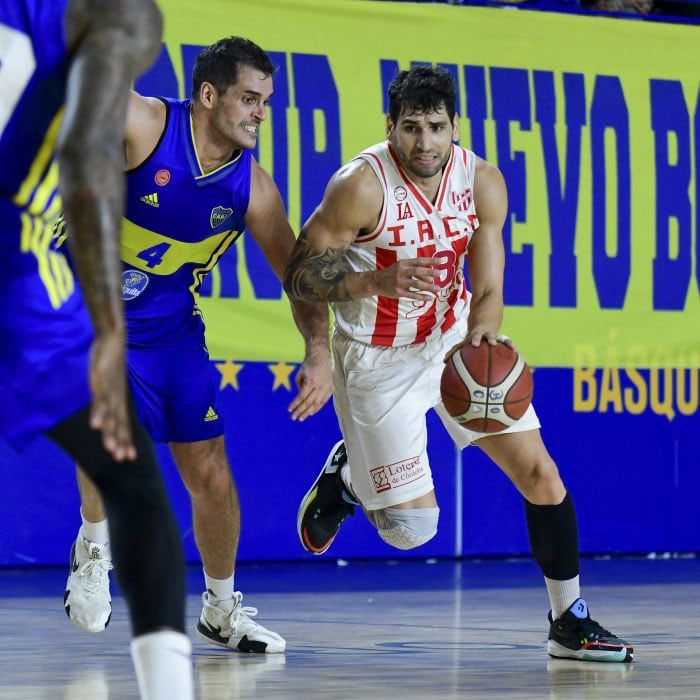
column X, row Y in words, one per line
column 227, row 623
column 87, row 600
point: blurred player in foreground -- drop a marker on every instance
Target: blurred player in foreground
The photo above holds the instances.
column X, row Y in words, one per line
column 65, row 71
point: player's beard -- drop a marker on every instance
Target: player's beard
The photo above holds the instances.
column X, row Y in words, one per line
column 427, row 171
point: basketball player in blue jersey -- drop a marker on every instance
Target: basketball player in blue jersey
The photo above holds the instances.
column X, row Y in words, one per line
column 387, row 247
column 193, row 186
column 65, row 71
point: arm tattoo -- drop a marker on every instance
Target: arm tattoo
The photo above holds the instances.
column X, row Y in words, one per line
column 318, row 276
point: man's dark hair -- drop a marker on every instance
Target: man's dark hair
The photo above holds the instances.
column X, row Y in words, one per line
column 421, row 89
column 219, row 63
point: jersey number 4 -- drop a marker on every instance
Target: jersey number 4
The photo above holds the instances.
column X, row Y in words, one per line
column 154, row 255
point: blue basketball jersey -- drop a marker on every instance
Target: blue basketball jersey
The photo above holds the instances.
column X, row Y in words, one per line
column 178, row 223
column 44, row 325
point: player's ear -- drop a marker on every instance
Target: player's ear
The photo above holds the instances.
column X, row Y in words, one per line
column 207, row 94
column 455, row 127
column 389, row 126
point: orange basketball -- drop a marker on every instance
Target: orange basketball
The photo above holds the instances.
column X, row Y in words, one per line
column 486, row 388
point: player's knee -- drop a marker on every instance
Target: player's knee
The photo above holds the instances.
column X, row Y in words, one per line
column 539, row 481
column 207, row 479
column 406, row 528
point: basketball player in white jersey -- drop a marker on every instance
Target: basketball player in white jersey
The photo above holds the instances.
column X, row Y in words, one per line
column 386, row 248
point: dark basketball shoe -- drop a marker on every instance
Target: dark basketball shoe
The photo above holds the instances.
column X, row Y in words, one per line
column 575, row 636
column 323, row 508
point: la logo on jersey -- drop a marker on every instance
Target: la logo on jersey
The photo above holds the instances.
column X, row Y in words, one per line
column 219, row 215
column 403, row 208
column 404, row 211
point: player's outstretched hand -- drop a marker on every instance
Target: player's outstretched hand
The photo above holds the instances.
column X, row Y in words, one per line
column 109, row 413
column 315, row 385
column 411, row 279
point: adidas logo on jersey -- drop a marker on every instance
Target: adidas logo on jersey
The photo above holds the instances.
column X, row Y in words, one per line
column 151, row 199
column 211, row 415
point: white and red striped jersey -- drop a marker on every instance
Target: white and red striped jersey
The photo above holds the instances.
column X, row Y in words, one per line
column 409, row 227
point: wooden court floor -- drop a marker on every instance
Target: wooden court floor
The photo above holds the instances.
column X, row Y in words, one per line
column 379, row 630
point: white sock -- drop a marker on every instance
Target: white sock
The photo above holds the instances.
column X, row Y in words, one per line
column 347, row 482
column 562, row 594
column 163, row 664
column 95, row 532
column 221, row 589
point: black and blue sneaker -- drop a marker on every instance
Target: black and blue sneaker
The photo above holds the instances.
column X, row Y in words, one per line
column 575, row 635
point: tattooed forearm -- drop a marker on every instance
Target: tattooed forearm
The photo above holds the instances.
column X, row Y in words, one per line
column 317, row 276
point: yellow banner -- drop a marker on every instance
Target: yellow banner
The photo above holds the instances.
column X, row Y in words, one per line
column 594, row 122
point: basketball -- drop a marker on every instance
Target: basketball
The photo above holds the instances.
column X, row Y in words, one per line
column 486, row 388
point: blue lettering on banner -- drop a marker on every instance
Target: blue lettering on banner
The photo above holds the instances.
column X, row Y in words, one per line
column 475, row 81
column 264, row 281
column 697, row 190
column 611, row 272
column 452, row 69
column 511, row 103
column 670, row 119
column 561, row 198
column 315, row 91
column 388, row 68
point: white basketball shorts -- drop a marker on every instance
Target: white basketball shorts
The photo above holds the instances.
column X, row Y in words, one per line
column 382, row 396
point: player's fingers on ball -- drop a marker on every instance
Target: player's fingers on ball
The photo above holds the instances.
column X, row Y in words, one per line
column 474, row 339
column 502, row 338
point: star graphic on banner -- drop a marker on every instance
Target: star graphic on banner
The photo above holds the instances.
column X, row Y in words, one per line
column 282, row 373
column 229, row 373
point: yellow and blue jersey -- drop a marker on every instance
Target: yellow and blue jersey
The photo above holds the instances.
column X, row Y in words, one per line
column 44, row 326
column 33, row 71
column 179, row 221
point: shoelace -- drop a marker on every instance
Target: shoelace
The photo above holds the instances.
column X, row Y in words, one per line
column 94, row 570
column 593, row 629
column 240, row 613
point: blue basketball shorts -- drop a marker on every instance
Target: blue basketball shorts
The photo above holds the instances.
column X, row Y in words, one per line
column 176, row 387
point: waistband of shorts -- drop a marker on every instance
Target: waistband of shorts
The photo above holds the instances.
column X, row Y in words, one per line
column 432, row 344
